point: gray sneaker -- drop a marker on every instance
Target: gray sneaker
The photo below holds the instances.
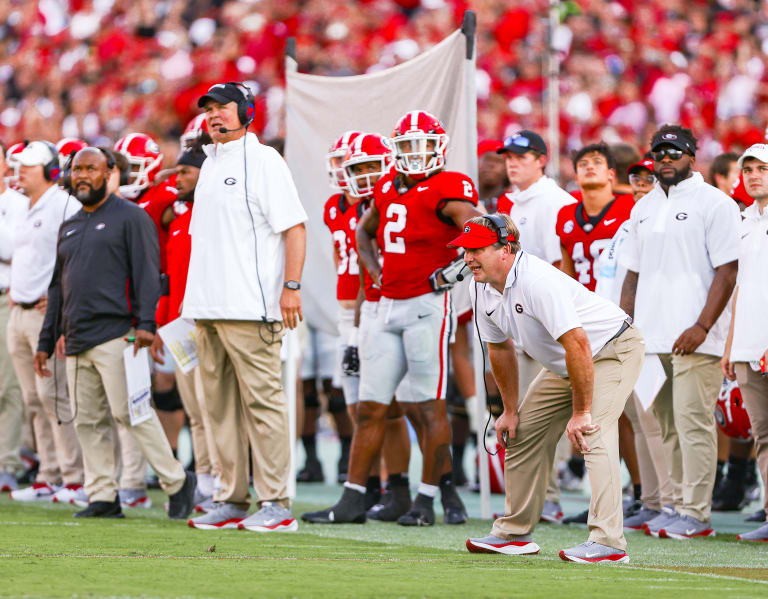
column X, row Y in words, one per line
column 8, row 482
column 552, row 512
column 760, row 534
column 590, row 552
column 521, row 545
column 134, row 498
column 223, row 515
column 270, row 518
column 640, row 517
column 686, row 527
column 666, row 516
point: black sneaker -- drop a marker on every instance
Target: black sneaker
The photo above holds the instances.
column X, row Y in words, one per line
column 181, row 503
column 372, row 497
column 758, row 516
column 730, row 496
column 311, row 473
column 577, row 519
column 349, row 509
column 395, row 503
column 102, row 509
column 422, row 513
column 454, row 511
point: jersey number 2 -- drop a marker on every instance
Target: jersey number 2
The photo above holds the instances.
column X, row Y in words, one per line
column 395, row 245
column 347, row 259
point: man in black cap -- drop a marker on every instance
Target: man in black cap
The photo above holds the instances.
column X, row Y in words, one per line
column 681, row 253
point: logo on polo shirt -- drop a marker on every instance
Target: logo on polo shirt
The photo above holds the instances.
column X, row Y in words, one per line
column 568, row 227
column 100, row 226
column 37, row 224
column 519, row 308
column 681, row 215
column 230, row 181
column 523, row 220
column 68, row 233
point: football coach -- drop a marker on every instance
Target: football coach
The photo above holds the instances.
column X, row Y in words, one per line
column 592, row 356
column 248, row 246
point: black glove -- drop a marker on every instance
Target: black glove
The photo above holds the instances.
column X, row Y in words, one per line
column 350, row 363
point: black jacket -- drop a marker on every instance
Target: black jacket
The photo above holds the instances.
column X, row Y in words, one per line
column 106, row 279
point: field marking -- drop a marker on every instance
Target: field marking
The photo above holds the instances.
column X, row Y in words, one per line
column 707, row 574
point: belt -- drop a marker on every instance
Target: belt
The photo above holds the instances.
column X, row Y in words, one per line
column 27, row 305
column 624, row 326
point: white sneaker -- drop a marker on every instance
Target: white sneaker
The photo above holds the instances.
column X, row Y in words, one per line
column 67, row 494
column 37, row 492
column 8, row 482
column 552, row 512
column 270, row 518
column 223, row 515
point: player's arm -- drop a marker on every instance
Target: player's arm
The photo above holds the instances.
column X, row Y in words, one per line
column 459, row 211
column 503, row 359
column 566, row 264
column 365, row 234
column 628, row 293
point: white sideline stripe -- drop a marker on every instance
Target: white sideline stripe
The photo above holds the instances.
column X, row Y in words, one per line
column 706, row 574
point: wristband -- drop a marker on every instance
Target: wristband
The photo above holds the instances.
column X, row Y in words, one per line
column 706, row 330
column 353, row 337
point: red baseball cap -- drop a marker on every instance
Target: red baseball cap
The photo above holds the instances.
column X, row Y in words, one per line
column 488, row 145
column 476, row 236
column 645, row 163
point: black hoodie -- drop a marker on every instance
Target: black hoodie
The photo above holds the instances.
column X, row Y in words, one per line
column 106, row 279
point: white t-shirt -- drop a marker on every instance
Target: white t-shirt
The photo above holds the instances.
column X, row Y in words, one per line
column 750, row 325
column 232, row 273
column 610, row 272
column 675, row 244
column 539, row 304
column 34, row 248
column 13, row 208
column 534, row 211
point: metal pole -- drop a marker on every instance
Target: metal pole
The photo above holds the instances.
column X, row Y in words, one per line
column 553, row 92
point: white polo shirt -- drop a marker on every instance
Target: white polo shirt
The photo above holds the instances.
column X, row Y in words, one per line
column 675, row 243
column 539, row 304
column 233, row 273
column 13, row 207
column 534, row 211
column 610, row 271
column 34, row 249
column 750, row 325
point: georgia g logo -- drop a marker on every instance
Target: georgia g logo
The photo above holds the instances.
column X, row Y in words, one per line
column 681, row 216
column 467, row 229
column 230, row 181
column 519, row 308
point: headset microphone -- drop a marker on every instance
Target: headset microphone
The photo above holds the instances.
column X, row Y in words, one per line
column 225, row 130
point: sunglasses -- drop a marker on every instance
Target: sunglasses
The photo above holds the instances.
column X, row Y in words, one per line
column 518, row 140
column 640, row 179
column 673, row 153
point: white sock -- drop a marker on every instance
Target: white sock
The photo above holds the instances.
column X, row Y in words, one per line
column 354, row 487
column 205, row 484
column 428, row 490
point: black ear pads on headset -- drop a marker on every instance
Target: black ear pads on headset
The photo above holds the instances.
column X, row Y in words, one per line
column 501, row 227
column 51, row 169
column 246, row 108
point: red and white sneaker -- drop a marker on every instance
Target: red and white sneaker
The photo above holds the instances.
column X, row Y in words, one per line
column 686, row 527
column 523, row 545
column 68, row 494
column 552, row 513
column 270, row 518
column 592, row 553
column 223, row 515
column 37, row 492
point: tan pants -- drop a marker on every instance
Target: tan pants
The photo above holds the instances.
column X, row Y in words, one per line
column 754, row 391
column 543, row 416
column 45, row 399
column 685, row 408
column 652, row 461
column 245, row 402
column 98, row 390
column 130, row 464
column 190, row 388
column 11, row 410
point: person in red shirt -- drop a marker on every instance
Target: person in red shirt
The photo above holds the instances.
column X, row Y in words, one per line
column 416, row 209
column 587, row 227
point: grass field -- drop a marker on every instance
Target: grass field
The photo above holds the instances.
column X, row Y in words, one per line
column 44, row 552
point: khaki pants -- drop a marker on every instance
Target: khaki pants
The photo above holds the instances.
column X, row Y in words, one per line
column 652, row 461
column 754, row 391
column 245, row 402
column 685, row 408
column 543, row 416
column 45, row 399
column 11, row 410
column 130, row 465
column 191, row 392
column 99, row 393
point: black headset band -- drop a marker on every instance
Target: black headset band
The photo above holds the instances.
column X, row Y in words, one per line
column 501, row 227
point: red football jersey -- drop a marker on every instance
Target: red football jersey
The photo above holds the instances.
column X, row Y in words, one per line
column 412, row 234
column 504, row 204
column 154, row 201
column 372, row 293
column 177, row 250
column 341, row 218
column 585, row 238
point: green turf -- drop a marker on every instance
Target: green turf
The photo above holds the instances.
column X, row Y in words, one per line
column 44, row 552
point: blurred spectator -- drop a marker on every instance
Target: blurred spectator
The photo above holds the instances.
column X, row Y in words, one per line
column 724, row 172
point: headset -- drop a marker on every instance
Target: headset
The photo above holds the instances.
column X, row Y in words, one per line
column 109, row 156
column 246, row 108
column 52, row 168
column 500, row 225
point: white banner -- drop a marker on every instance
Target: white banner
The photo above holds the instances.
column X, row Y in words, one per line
column 320, row 109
